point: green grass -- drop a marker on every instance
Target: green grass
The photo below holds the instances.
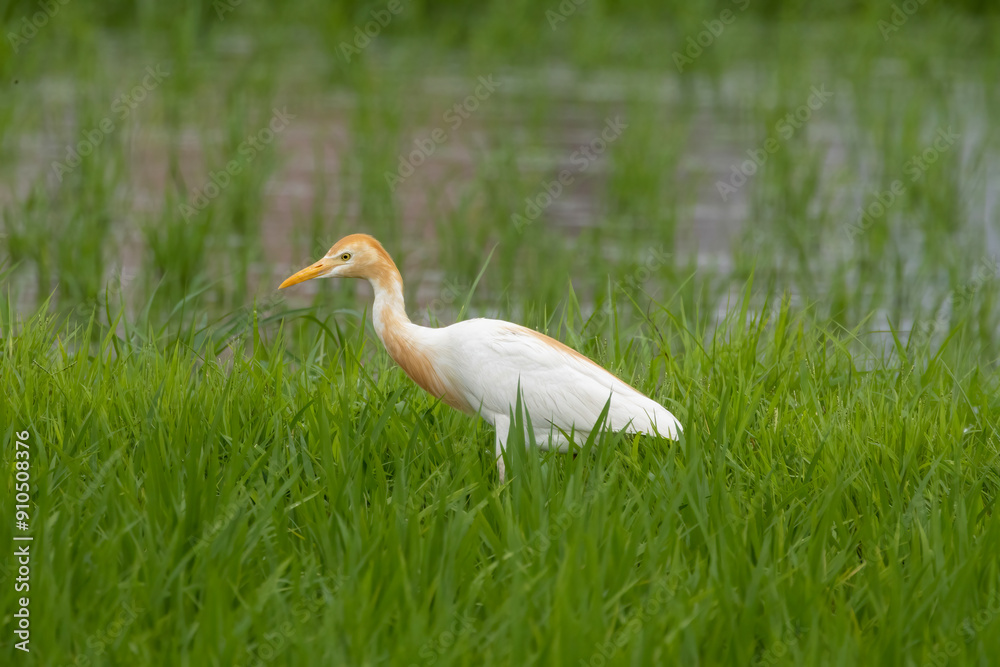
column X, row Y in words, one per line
column 224, row 474
column 301, row 496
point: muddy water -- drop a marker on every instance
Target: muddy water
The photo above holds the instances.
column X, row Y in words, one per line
column 313, row 173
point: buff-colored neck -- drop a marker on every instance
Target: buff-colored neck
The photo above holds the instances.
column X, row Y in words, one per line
column 389, row 310
column 407, row 343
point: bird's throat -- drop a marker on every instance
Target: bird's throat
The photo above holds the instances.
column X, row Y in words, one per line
column 410, row 344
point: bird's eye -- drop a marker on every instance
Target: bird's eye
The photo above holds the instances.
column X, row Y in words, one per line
column 346, row 256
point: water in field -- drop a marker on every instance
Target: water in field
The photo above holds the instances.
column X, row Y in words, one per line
column 841, row 181
column 778, row 221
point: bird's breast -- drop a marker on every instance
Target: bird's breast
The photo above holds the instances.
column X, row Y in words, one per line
column 422, row 365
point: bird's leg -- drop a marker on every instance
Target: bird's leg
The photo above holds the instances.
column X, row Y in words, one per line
column 502, row 426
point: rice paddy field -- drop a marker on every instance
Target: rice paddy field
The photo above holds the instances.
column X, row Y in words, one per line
column 779, row 220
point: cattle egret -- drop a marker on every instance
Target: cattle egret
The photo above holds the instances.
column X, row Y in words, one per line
column 477, row 366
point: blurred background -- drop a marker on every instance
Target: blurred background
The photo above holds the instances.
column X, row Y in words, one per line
column 842, row 154
column 777, row 217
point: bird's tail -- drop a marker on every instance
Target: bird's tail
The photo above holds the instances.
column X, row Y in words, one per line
column 639, row 414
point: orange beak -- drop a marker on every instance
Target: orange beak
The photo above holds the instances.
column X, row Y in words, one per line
column 322, row 267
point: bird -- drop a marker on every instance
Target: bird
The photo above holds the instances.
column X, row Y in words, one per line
column 480, row 366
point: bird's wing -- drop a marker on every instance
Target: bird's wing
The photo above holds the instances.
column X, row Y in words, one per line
column 559, row 386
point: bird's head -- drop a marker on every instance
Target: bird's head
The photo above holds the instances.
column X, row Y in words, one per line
column 354, row 256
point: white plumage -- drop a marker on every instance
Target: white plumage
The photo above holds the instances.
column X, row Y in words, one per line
column 559, row 388
column 477, row 365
